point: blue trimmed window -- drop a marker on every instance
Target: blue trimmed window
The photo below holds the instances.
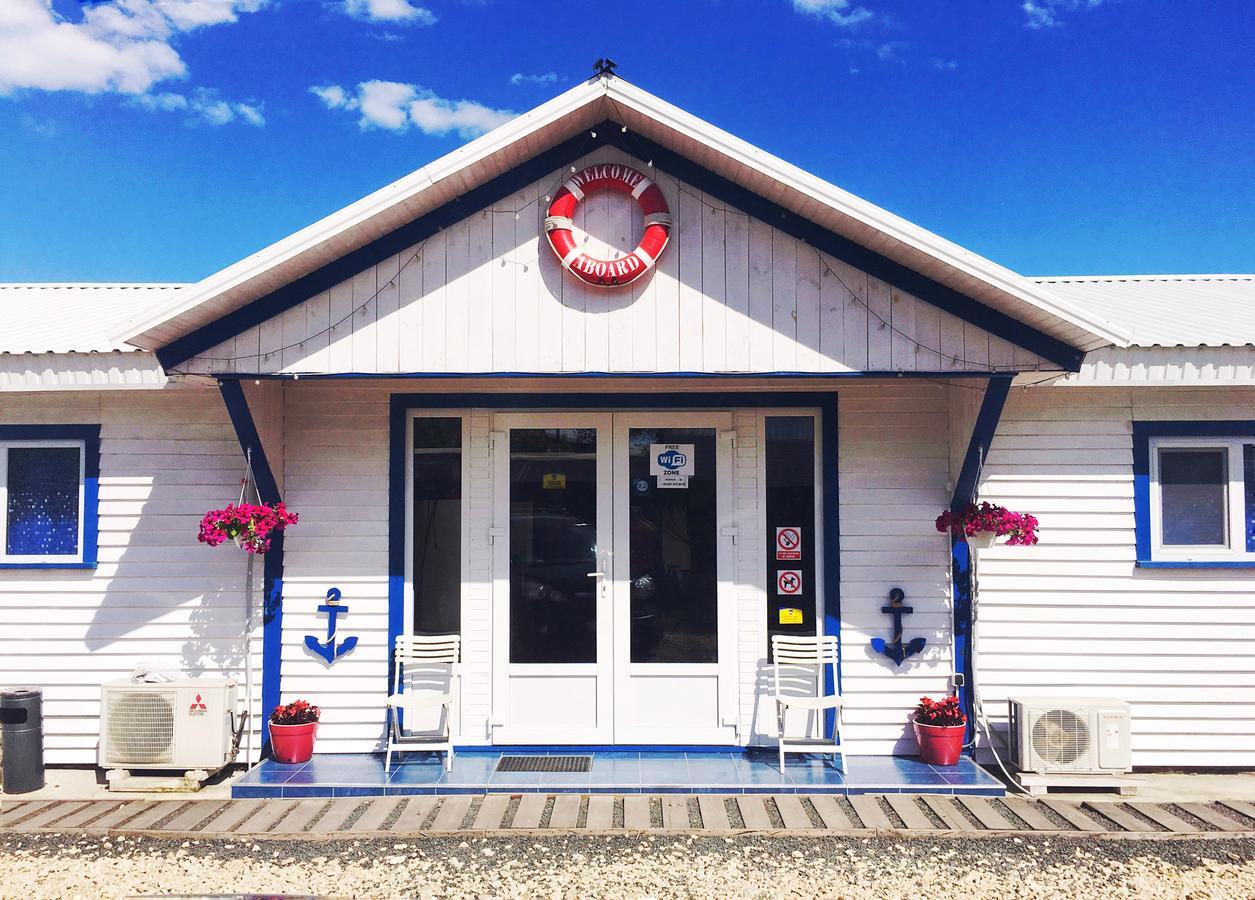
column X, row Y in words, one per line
column 48, row 495
column 1194, row 494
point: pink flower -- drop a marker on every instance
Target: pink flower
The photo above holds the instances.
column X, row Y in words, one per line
column 939, row 712
column 298, row 712
column 1017, row 528
column 253, row 525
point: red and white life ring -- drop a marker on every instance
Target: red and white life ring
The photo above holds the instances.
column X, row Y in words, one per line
column 624, row 180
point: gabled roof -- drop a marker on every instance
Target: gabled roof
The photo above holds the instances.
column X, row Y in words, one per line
column 663, row 126
column 1168, row 310
column 72, row 318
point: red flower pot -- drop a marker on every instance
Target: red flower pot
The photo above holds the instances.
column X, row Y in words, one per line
column 939, row 745
column 293, row 743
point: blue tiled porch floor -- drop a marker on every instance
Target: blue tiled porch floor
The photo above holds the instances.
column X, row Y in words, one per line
column 613, row 771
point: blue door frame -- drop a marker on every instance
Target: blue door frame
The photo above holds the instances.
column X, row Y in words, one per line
column 825, row 402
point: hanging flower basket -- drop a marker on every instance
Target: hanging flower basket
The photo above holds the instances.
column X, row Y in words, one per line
column 983, row 525
column 250, row 526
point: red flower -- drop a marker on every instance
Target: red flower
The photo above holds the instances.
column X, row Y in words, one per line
column 1017, row 528
column 298, row 712
column 253, row 525
column 939, row 712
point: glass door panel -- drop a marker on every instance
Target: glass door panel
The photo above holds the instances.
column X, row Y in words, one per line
column 553, row 545
column 674, row 619
column 673, row 555
column 551, row 609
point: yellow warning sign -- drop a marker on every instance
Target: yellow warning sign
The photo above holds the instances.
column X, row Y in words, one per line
column 790, row 616
column 554, row 481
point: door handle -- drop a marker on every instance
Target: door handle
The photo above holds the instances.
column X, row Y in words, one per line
column 596, row 574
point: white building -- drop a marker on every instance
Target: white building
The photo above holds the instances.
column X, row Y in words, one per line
column 466, row 430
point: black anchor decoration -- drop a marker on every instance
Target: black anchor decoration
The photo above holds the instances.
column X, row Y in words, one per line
column 897, row 650
column 332, row 649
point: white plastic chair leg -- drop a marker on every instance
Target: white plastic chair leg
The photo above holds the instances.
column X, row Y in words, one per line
column 387, row 760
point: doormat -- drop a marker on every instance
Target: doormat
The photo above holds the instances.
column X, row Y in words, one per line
column 544, row 764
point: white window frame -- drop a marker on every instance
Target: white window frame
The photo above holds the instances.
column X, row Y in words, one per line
column 1235, row 502
column 464, row 564
column 39, row 559
column 816, row 414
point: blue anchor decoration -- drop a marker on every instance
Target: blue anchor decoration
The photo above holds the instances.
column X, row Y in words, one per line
column 897, row 651
column 330, row 651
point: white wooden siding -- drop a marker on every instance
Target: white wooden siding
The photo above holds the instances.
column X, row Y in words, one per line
column 166, row 457
column 1073, row 615
column 336, row 444
column 730, row 294
column 893, row 474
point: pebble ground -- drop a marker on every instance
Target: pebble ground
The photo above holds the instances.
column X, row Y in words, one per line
column 60, row 866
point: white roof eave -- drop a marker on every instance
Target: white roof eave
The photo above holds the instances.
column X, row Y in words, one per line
column 856, row 208
column 911, row 238
column 362, row 211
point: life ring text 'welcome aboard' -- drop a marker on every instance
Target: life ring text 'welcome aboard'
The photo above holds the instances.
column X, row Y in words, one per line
column 559, row 227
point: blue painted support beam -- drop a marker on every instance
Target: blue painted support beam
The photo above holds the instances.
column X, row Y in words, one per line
column 960, row 554
column 272, row 562
column 982, row 436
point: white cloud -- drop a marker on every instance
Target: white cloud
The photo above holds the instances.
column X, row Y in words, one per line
column 400, row 12
column 546, row 78
column 839, row 12
column 942, row 65
column 396, row 106
column 203, row 106
column 333, row 95
column 122, row 46
column 1045, row 13
column 890, row 51
column 45, row 128
column 885, row 51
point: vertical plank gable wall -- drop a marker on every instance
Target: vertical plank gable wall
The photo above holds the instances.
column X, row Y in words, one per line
column 1074, row 616
column 731, row 294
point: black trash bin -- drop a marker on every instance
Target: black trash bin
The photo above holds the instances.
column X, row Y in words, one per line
column 22, row 739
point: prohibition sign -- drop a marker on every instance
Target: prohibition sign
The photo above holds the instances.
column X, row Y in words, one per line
column 788, row 543
column 789, row 582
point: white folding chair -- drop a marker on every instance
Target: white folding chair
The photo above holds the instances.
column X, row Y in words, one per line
column 798, row 669
column 426, row 676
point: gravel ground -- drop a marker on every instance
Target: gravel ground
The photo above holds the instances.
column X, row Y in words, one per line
column 621, row 867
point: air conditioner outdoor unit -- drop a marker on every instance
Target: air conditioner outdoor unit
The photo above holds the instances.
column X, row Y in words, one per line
column 186, row 725
column 1069, row 735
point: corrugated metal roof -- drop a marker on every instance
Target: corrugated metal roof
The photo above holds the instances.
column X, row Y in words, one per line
column 71, row 318
column 1168, row 310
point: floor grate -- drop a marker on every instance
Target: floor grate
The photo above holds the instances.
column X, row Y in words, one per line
column 544, row 764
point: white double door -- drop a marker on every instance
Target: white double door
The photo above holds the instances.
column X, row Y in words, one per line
column 613, row 617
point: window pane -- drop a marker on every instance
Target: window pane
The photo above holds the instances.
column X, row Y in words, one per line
column 1248, row 473
column 790, row 538
column 1193, row 484
column 553, row 545
column 674, row 549
column 43, row 501
column 437, row 525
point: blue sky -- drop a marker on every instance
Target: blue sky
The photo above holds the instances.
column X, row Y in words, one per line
column 154, row 140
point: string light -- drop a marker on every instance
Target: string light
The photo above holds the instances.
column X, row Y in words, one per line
column 883, row 324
